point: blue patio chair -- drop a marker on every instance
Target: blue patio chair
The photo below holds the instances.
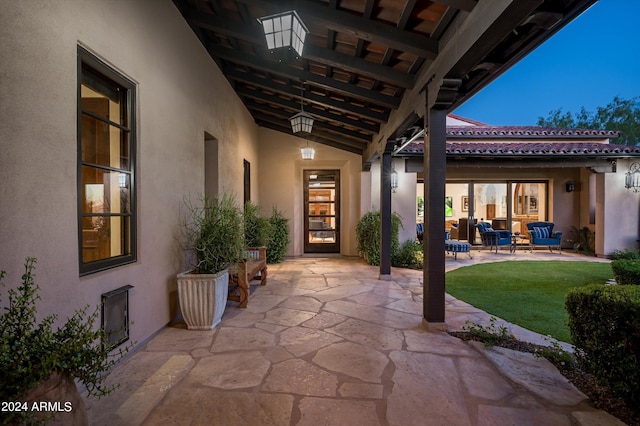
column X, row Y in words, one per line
column 493, row 238
column 420, row 231
column 541, row 234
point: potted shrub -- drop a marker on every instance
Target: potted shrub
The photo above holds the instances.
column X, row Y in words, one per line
column 214, row 234
column 38, row 363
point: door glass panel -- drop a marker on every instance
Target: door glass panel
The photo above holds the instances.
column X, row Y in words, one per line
column 322, row 211
column 457, row 210
column 529, row 204
column 490, row 205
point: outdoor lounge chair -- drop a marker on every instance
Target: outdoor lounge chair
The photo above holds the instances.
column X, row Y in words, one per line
column 493, row 238
column 541, row 234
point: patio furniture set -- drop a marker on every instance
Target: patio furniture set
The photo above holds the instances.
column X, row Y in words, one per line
column 538, row 234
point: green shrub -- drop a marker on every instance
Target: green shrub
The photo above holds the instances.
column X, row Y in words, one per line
column 411, row 255
column 214, row 230
column 368, row 237
column 584, row 240
column 257, row 230
column 278, row 238
column 604, row 322
column 626, row 271
column 31, row 348
column 630, row 254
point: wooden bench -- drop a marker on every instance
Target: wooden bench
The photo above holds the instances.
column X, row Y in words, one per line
column 247, row 269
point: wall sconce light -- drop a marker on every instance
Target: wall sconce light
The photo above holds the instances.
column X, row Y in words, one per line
column 307, row 152
column 394, row 179
column 571, row 186
column 301, row 122
column 284, row 29
column 122, row 180
column 632, row 177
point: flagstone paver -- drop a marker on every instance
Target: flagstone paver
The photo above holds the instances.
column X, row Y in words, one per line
column 300, row 341
column 353, row 360
column 301, row 377
column 327, row 343
column 230, row 370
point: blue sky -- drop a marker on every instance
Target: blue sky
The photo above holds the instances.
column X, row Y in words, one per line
column 585, row 64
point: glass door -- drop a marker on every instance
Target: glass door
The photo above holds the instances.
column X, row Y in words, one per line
column 322, row 211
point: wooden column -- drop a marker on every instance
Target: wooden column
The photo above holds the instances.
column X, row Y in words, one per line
column 434, row 190
column 385, row 215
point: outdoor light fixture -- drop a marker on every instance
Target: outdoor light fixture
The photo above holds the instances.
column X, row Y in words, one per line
column 632, row 177
column 307, row 152
column 571, row 186
column 394, row 179
column 301, row 122
column 284, row 30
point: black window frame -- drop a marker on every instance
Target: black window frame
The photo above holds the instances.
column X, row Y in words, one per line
column 94, row 65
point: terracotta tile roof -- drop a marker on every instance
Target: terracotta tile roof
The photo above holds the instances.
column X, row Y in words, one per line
column 541, row 141
column 553, row 149
column 527, row 132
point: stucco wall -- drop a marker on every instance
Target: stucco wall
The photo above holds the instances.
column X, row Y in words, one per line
column 281, row 174
column 181, row 94
column 617, row 212
column 402, row 201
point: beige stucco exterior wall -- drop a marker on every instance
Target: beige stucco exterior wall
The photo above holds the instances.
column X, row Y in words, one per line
column 181, row 94
column 280, row 184
column 402, row 201
column 617, row 212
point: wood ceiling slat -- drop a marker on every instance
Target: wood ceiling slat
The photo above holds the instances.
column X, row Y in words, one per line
column 366, row 29
column 301, row 75
column 326, row 101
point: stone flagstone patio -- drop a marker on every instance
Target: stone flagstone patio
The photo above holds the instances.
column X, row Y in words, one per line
column 327, row 343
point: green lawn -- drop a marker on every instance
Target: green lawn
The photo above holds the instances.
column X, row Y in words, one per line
column 528, row 293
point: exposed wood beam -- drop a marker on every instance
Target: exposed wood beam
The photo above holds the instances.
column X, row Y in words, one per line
column 466, row 5
column 358, row 65
column 288, row 71
column 325, row 101
column 251, row 33
column 493, row 34
column 278, row 116
column 318, row 139
column 366, row 29
column 275, row 100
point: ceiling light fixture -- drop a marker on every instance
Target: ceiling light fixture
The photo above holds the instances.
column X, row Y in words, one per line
column 307, row 152
column 301, row 122
column 285, row 30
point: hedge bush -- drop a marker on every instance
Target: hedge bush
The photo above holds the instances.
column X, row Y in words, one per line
column 368, row 237
column 630, row 254
column 279, row 237
column 604, row 322
column 626, row 271
column 257, row 230
column 411, row 255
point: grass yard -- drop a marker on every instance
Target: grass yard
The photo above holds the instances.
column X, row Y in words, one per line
column 528, row 293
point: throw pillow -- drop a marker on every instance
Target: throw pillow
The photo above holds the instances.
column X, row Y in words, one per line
column 542, row 232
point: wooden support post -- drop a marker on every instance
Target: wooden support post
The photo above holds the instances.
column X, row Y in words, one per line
column 434, row 189
column 385, row 216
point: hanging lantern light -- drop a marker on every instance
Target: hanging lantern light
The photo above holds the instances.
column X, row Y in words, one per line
column 307, row 152
column 301, row 122
column 284, row 29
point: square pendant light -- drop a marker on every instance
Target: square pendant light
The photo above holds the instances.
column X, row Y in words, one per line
column 284, row 30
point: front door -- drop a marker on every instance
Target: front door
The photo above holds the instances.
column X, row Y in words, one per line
column 322, row 211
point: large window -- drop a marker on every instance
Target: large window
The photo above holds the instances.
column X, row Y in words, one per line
column 106, row 147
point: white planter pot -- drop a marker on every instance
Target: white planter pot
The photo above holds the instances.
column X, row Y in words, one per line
column 203, row 298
